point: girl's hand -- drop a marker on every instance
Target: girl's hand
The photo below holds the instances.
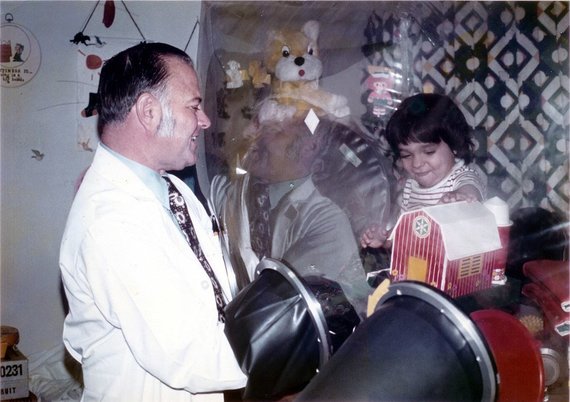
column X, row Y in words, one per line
column 374, row 237
column 455, row 196
column 465, row 193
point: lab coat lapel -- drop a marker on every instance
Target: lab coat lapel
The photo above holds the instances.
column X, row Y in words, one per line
column 118, row 174
column 209, row 243
column 285, row 223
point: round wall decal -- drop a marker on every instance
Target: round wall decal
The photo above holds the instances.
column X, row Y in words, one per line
column 20, row 54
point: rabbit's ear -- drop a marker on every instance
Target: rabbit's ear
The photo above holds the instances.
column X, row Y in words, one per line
column 311, row 30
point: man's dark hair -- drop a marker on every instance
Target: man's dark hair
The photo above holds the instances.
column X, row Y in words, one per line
column 430, row 118
column 125, row 76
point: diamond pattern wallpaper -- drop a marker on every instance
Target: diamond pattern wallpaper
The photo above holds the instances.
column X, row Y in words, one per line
column 506, row 64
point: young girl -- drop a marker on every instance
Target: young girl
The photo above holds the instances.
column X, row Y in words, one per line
column 430, row 138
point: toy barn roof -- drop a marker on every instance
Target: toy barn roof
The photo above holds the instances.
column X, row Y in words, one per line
column 467, row 228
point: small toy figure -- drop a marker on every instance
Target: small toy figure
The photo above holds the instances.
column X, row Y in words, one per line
column 234, row 75
column 381, row 83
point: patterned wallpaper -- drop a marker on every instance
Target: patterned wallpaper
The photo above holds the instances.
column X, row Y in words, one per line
column 507, row 65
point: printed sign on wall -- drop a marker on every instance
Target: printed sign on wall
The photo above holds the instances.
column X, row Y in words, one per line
column 20, row 54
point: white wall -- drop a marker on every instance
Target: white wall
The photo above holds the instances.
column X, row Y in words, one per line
column 36, row 195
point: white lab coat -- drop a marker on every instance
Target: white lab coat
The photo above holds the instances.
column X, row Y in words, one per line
column 143, row 319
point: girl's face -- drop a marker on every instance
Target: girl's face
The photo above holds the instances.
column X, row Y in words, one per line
column 427, row 162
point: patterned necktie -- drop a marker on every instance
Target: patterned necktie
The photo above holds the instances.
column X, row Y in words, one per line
column 180, row 211
column 258, row 211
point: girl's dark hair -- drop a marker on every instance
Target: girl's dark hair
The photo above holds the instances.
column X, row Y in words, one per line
column 430, row 118
column 141, row 68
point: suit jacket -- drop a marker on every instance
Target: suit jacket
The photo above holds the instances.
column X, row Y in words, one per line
column 142, row 316
column 310, row 233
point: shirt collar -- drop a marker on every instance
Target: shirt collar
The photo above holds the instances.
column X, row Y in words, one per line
column 279, row 190
column 151, row 179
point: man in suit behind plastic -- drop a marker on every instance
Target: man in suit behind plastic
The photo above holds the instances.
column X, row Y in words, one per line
column 299, row 226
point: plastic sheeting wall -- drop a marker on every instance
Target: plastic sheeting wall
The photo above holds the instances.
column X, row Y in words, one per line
column 505, row 63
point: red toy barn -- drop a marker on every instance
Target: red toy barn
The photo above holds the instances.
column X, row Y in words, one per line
column 450, row 246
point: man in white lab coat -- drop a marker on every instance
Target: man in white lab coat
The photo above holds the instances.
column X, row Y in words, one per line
column 143, row 317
